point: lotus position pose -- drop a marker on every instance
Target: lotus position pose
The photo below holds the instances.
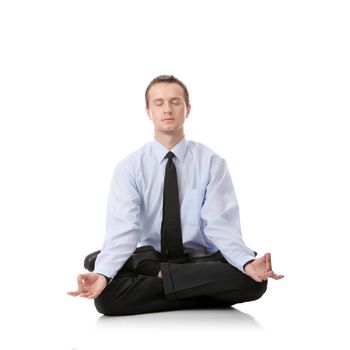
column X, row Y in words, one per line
column 173, row 238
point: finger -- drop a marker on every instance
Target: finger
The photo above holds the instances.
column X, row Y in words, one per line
column 95, row 293
column 266, row 275
column 85, row 277
column 88, row 281
column 268, row 263
column 277, row 277
column 86, row 294
column 90, row 292
column 256, row 277
column 74, row 294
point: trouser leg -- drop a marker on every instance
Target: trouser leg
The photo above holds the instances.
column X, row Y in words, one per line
column 232, row 297
column 218, row 282
column 131, row 293
column 136, row 289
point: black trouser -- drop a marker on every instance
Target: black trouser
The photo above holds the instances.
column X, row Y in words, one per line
column 192, row 282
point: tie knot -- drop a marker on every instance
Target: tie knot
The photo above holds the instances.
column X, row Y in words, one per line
column 170, row 155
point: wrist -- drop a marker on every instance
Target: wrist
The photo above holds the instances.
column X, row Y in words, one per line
column 247, row 263
column 108, row 279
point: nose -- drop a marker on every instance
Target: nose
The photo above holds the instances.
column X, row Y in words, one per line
column 167, row 108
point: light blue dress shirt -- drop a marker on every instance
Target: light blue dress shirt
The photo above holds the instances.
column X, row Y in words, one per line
column 208, row 205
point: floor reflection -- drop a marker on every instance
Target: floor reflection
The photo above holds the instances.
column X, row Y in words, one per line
column 213, row 318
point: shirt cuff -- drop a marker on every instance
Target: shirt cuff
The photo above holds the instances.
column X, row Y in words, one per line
column 243, row 260
column 248, row 262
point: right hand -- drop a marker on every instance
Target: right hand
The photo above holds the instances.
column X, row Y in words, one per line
column 90, row 285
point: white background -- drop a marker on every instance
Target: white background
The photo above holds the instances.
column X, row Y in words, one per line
column 269, row 84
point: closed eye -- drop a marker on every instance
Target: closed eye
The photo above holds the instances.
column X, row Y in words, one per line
column 175, row 101
column 158, row 102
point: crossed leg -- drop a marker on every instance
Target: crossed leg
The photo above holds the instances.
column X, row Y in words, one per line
column 182, row 286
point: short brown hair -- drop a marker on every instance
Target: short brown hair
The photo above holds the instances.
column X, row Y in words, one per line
column 167, row 79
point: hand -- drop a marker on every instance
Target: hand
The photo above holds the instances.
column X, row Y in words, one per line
column 90, row 285
column 261, row 269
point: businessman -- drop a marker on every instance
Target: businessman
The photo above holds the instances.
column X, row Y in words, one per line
column 173, row 239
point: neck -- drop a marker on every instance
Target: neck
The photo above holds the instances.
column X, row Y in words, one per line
column 169, row 140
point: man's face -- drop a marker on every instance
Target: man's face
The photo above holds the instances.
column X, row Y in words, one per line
column 167, row 107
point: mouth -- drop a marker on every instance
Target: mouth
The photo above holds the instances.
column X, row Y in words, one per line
column 168, row 119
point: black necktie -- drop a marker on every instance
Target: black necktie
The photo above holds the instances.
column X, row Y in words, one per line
column 171, row 236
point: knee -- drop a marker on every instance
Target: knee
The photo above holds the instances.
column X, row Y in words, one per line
column 113, row 301
column 108, row 307
column 257, row 290
column 102, row 304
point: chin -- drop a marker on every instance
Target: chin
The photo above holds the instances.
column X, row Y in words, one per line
column 168, row 131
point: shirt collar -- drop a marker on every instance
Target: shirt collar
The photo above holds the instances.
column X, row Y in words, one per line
column 179, row 150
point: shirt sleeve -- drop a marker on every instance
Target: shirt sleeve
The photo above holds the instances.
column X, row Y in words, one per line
column 122, row 222
column 220, row 212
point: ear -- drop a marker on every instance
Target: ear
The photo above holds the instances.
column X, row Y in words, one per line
column 188, row 110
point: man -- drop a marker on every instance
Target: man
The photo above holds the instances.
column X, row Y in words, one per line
column 173, row 237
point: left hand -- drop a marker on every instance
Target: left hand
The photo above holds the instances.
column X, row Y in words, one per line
column 261, row 269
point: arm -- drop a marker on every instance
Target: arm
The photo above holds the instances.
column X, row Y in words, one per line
column 122, row 234
column 123, row 228
column 220, row 213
